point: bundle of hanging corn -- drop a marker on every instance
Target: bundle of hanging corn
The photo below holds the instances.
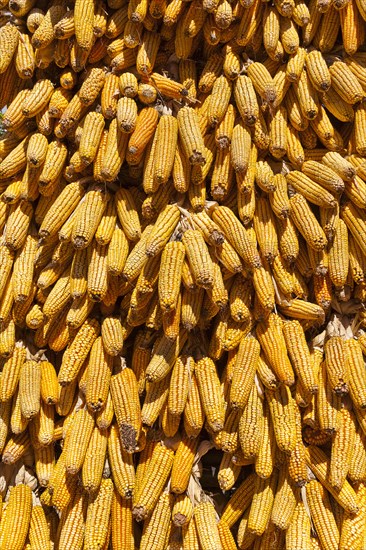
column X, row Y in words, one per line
column 183, row 275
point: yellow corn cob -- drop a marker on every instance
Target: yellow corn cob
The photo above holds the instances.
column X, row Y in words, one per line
column 97, row 518
column 126, row 405
column 271, row 30
column 282, row 407
column 270, row 336
column 250, row 425
column 306, row 222
column 239, row 501
column 89, row 217
column 182, row 464
column 261, row 507
column 9, row 37
column 337, row 369
column 328, row 403
column 62, row 208
column 121, row 465
column 78, row 350
column 93, row 464
column 25, row 59
column 321, row 514
column 342, row 447
column 91, row 136
column 127, row 214
column 97, row 283
column 109, row 96
column 170, row 271
column 79, row 273
column 98, row 378
column 337, row 106
column 105, row 416
column 285, row 501
column 298, row 532
column 345, row 83
column 209, row 390
column 49, row 383
column 198, row 257
column 317, row 71
column 84, row 21
column 73, row 526
column 299, row 354
column 112, row 335
column 117, row 252
column 194, row 415
column 243, row 373
column 20, row 507
column 11, row 372
column 354, row 360
column 78, row 440
column 319, row 463
column 158, row 470
column 122, row 530
column 39, row 535
column 30, row 388
column 126, row 114
column 190, row 136
column 351, row 535
column 114, row 153
column 182, row 511
column 262, row 82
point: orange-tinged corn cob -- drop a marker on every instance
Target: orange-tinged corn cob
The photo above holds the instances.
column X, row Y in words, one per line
column 145, row 128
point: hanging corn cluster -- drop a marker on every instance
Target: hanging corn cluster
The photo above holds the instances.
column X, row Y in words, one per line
column 183, row 275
